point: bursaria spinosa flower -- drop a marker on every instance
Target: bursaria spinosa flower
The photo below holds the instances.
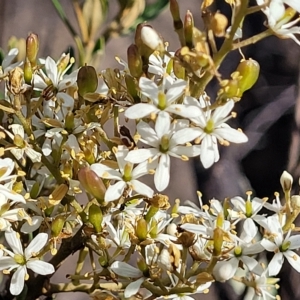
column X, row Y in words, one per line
column 126, row 176
column 279, row 17
column 20, row 260
column 165, row 140
column 212, row 128
column 161, row 98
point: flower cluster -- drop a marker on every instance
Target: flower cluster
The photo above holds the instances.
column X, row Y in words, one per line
column 72, row 176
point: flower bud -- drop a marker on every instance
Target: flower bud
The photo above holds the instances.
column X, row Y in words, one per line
column 249, row 72
column 218, row 241
column 69, row 121
column 175, row 12
column 219, row 24
column 141, row 229
column 135, row 63
column 96, row 217
column 32, row 48
column 178, row 69
column 151, row 39
column 286, row 181
column 188, row 29
column 27, row 71
column 87, row 80
column 142, row 266
column 295, row 201
column 57, row 226
column 92, row 183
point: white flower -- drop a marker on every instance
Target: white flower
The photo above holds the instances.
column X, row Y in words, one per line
column 7, row 62
column 248, row 210
column 165, row 141
column 161, row 100
column 18, row 136
column 8, row 215
column 55, row 75
column 126, row 176
column 212, row 128
column 262, row 286
column 278, row 17
column 125, row 270
column 282, row 247
column 21, row 259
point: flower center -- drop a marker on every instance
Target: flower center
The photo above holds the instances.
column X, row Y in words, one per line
column 164, row 144
column 285, row 246
column 162, row 101
column 210, row 126
column 19, row 142
column 127, row 172
column 20, row 259
column 238, row 251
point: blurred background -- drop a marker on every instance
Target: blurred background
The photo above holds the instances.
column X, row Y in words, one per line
column 269, row 114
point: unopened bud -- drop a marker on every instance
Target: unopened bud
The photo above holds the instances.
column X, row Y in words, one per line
column 32, row 48
column 92, row 183
column 87, row 80
column 57, row 226
column 249, row 72
column 96, row 217
column 141, row 229
column 286, row 181
column 295, row 201
column 219, row 24
column 218, row 241
column 135, row 63
column 188, row 29
column 141, row 263
column 151, row 39
column 69, row 121
column 27, row 71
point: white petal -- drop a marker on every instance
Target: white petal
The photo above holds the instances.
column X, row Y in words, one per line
column 140, row 110
column 184, row 135
column 208, row 152
column 51, row 69
column 176, row 90
column 184, row 110
column 149, row 89
column 162, row 173
column 105, row 172
column 17, row 281
column 293, row 259
column 125, row 270
column 276, row 264
column 133, row 287
column 7, row 262
column 36, row 244
column 162, row 124
column 231, row 135
column 115, row 191
column 268, row 245
column 40, row 267
column 222, row 111
column 142, row 188
column 189, row 151
column 141, row 155
column 194, row 228
column 14, row 242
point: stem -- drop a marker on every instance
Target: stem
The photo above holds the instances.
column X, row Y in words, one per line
column 226, row 47
column 254, row 39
